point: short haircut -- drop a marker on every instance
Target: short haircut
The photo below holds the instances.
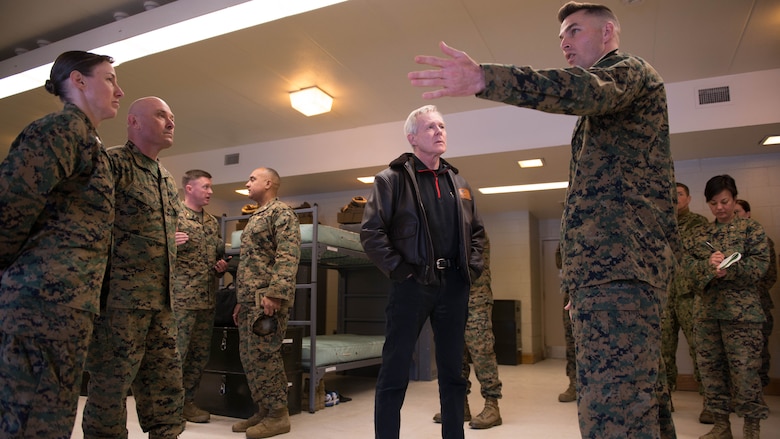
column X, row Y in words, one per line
column 685, row 188
column 745, row 205
column 718, row 184
column 589, row 8
column 410, row 127
column 193, row 174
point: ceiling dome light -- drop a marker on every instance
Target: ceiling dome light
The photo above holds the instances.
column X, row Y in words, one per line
column 311, row 101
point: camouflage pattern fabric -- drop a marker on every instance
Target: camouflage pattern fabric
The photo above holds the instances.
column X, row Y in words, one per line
column 571, row 356
column 678, row 312
column 261, row 357
column 194, row 290
column 37, row 399
column 56, row 211
column 619, row 227
column 618, row 340
column 769, row 279
column 136, row 349
column 729, row 316
column 270, row 252
column 194, row 331
column 480, row 341
column 135, row 339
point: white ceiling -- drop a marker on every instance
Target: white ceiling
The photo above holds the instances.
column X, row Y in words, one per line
column 233, row 90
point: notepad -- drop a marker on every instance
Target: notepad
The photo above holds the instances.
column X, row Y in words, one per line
column 730, row 260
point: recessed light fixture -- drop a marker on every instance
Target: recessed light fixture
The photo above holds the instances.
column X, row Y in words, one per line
column 311, row 101
column 148, row 33
column 771, row 140
column 244, row 192
column 532, row 163
column 524, row 188
column 366, row 180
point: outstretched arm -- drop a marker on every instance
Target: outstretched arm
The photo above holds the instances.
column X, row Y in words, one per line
column 457, row 75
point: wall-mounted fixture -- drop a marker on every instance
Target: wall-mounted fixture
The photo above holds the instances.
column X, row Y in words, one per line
column 311, row 101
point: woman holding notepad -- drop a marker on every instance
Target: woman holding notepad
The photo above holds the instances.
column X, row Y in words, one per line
column 726, row 259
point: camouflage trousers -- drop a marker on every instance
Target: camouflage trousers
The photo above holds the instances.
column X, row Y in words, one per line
column 134, row 348
column 678, row 314
column 261, row 357
column 195, row 328
column 766, row 330
column 571, row 362
column 480, row 349
column 729, row 357
column 42, row 351
column 617, row 333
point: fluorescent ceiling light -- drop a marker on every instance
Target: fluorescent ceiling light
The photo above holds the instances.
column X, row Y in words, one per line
column 524, row 188
column 366, row 180
column 243, row 192
column 771, row 140
column 169, row 26
column 311, row 101
column 532, row 163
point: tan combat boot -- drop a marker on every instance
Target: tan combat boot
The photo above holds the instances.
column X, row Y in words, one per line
column 570, row 394
column 722, row 428
column 466, row 413
column 490, row 417
column 193, row 413
column 751, row 430
column 241, row 426
column 277, row 422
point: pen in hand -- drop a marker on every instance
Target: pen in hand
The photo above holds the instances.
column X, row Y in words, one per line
column 710, row 246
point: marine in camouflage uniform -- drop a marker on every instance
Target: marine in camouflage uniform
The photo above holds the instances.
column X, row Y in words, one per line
column 619, row 230
column 56, row 211
column 764, row 287
column 134, row 343
column 729, row 317
column 678, row 312
column 198, row 265
column 267, row 268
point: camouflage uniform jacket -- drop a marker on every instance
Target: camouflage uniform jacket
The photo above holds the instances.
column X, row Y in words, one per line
column 144, row 248
column 195, row 279
column 56, row 211
column 270, row 252
column 735, row 296
column 619, row 220
column 687, row 223
column 481, row 292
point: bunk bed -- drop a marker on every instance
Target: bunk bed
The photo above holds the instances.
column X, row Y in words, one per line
column 360, row 326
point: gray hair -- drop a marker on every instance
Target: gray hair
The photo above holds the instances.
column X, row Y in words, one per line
column 410, row 127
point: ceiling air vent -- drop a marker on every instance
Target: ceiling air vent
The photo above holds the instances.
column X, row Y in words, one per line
column 714, row 95
column 231, row 159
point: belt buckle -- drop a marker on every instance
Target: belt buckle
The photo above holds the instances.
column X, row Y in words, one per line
column 442, row 263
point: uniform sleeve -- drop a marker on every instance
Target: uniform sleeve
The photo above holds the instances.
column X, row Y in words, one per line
column 770, row 278
column 288, row 255
column 573, row 91
column 39, row 159
column 755, row 257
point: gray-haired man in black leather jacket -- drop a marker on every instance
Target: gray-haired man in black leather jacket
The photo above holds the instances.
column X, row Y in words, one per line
column 421, row 229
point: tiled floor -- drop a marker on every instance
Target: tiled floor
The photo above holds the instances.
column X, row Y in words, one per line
column 530, row 409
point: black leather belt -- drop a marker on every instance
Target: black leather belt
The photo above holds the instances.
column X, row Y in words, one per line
column 443, row 264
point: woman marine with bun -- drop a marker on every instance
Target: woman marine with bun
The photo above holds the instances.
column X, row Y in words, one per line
column 56, row 216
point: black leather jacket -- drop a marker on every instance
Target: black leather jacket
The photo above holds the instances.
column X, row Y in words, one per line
column 395, row 233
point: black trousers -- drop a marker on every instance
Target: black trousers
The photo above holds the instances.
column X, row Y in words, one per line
column 410, row 305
